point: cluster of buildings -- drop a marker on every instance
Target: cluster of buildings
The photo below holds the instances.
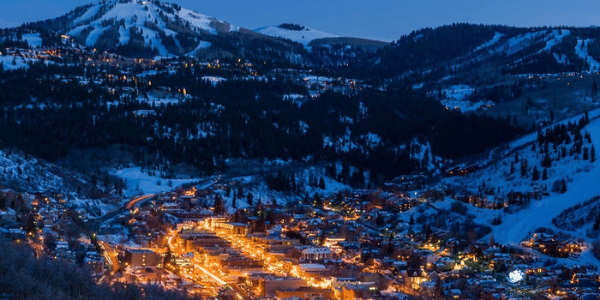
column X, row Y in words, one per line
column 307, row 252
column 553, row 245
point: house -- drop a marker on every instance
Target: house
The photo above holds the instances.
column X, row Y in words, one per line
column 270, row 284
column 315, row 253
column 305, row 293
column 142, row 258
column 351, row 292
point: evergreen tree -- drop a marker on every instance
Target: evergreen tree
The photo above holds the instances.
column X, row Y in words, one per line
column 240, row 191
column 317, row 200
column 564, row 186
column 536, row 174
column 523, row 167
column 249, row 199
column 547, row 161
column 593, row 154
column 321, row 183
column 218, row 205
column 545, row 174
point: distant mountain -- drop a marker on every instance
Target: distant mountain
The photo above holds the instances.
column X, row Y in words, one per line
column 295, row 32
column 138, row 28
column 463, row 49
column 153, row 29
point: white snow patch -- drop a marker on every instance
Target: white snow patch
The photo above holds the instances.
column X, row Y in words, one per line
column 91, row 12
column 14, row 62
column 467, row 106
column 491, row 42
column 583, row 53
column 33, row 39
column 458, row 92
column 213, row 79
column 139, row 182
column 304, row 36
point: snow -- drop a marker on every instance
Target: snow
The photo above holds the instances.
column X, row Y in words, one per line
column 93, row 36
column 493, row 41
column 373, row 140
column 467, row 106
column 581, row 176
column 418, row 86
column 455, row 99
column 303, row 126
column 583, row 53
column 213, row 79
column 558, row 36
column 29, row 174
column 518, row 43
column 91, row 12
column 561, row 58
column 33, row 39
column 129, row 12
column 197, row 20
column 139, row 182
column 7, row 62
column 458, row 92
column 156, row 100
column 343, row 143
column 304, row 36
column 202, row 45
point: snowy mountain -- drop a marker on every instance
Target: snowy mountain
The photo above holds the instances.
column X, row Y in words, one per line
column 294, row 32
column 169, row 29
column 151, row 29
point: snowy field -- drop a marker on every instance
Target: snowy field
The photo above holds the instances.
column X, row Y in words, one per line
column 139, row 183
column 13, row 63
column 455, row 99
column 33, row 39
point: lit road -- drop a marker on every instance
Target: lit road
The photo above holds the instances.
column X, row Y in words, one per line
column 93, row 225
column 110, row 256
column 211, row 275
column 133, row 202
column 176, row 249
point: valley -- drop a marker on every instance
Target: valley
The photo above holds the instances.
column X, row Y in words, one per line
column 150, row 151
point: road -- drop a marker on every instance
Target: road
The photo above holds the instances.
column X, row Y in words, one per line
column 133, row 202
column 110, row 256
column 94, row 224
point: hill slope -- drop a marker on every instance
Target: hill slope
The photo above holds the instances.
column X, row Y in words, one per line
column 296, row 33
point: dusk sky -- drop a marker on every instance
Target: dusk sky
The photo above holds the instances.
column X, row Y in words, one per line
column 382, row 19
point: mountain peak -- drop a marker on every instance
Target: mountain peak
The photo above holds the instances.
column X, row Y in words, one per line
column 140, row 28
column 295, row 32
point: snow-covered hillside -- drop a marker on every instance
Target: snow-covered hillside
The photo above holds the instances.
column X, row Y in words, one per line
column 24, row 173
column 580, row 172
column 303, row 36
column 156, row 23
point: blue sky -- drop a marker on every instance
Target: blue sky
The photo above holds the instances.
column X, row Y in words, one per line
column 376, row 19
